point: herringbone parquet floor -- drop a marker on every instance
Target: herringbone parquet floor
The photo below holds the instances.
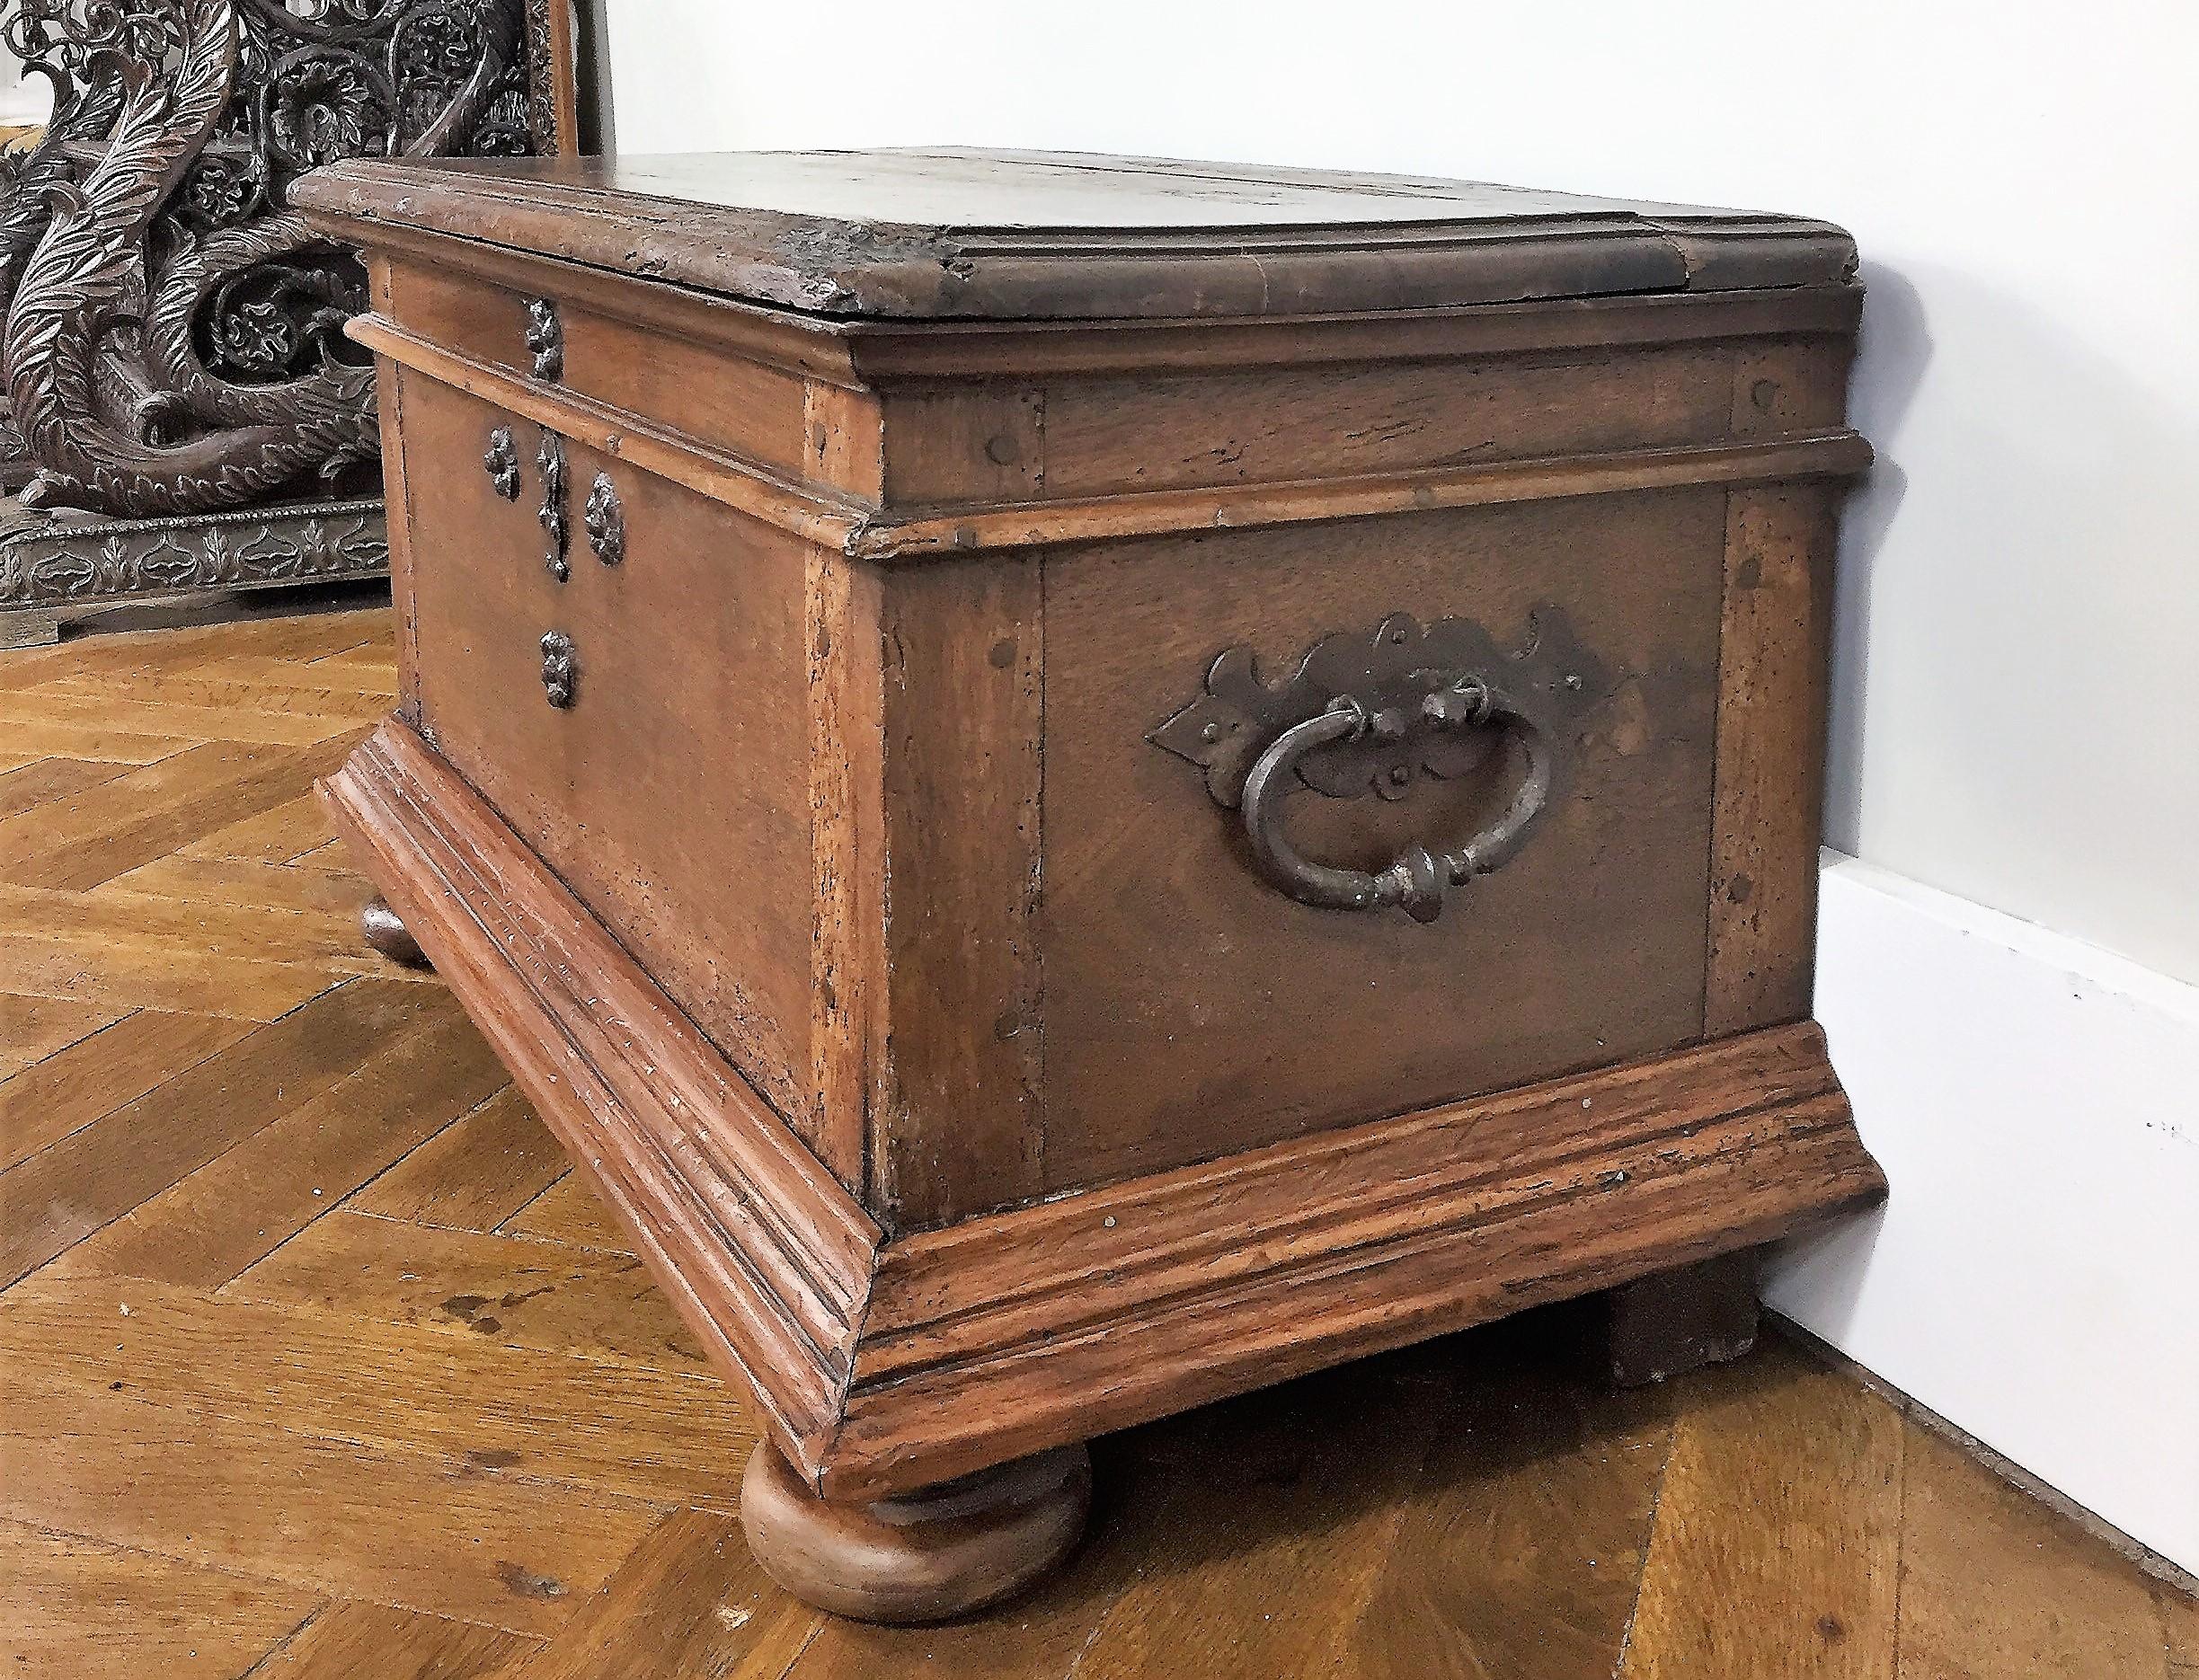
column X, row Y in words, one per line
column 313, row 1363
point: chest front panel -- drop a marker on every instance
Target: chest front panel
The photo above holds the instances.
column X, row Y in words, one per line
column 665, row 778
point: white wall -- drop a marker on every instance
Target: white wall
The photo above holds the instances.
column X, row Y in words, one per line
column 2031, row 1275
column 2017, row 706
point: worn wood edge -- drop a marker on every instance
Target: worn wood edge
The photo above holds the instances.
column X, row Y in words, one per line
column 859, row 354
column 804, row 512
column 868, row 532
column 1015, row 1331
column 759, row 1249
column 912, row 271
column 1835, row 453
column 952, row 350
column 1768, row 736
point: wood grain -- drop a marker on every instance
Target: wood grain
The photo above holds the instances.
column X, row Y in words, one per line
column 1192, row 1008
column 513, row 1291
column 79, row 1609
column 293, row 1168
column 724, row 918
column 405, row 1527
column 1755, row 1569
column 104, row 1169
column 354, row 1641
column 960, row 1123
column 2049, row 1612
column 646, row 1433
column 475, row 1173
column 75, row 1086
column 951, row 235
column 688, row 1601
column 1771, row 728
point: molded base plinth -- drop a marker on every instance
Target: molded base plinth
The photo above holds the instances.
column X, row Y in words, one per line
column 381, row 928
column 922, row 1557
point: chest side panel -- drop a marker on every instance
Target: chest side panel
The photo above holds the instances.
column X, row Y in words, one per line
column 670, row 789
column 1193, row 1008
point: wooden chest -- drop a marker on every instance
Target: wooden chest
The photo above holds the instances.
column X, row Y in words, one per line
column 1083, row 783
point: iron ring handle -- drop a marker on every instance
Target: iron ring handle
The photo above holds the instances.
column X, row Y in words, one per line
column 1416, row 880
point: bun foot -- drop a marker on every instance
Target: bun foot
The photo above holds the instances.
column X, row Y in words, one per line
column 1678, row 1321
column 926, row 1556
column 383, row 931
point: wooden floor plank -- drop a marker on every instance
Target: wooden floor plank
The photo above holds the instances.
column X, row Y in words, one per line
column 130, row 917
column 569, row 1212
column 96, row 1076
column 353, row 1641
column 96, row 1174
column 52, row 703
column 32, row 1029
column 689, row 1601
column 73, row 1609
column 45, row 779
column 1291, row 1500
column 296, row 692
column 2179, row 1614
column 278, row 835
column 62, row 738
column 300, row 1165
column 96, row 835
column 332, row 895
column 1778, row 1529
column 374, row 680
column 523, row 1293
column 402, row 1527
column 634, row 1431
column 1991, row 1585
column 1521, row 1545
column 87, row 966
column 474, row 1174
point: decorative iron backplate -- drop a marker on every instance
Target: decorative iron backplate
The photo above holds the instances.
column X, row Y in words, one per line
column 1373, row 714
column 605, row 521
column 1394, row 668
column 503, row 459
column 557, row 537
column 545, row 339
column 560, row 670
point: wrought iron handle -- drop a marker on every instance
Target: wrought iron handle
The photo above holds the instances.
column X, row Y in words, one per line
column 1415, row 882
column 1374, row 712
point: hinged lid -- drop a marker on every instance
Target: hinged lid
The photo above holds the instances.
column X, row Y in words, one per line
column 1013, row 236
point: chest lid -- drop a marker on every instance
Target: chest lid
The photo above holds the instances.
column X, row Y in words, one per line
column 940, row 235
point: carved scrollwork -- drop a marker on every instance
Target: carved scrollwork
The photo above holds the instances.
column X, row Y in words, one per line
column 174, row 336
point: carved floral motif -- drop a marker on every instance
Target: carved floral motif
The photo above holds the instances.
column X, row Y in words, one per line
column 173, row 332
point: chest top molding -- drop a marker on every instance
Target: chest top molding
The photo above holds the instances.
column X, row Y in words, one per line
column 953, row 235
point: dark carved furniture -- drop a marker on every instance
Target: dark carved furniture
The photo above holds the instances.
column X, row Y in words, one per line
column 1082, row 784
column 182, row 410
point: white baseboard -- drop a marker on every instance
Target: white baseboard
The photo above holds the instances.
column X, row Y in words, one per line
column 2034, row 1278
